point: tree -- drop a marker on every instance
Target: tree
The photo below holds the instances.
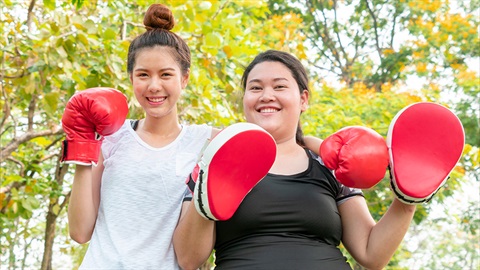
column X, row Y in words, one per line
column 380, row 43
column 51, row 49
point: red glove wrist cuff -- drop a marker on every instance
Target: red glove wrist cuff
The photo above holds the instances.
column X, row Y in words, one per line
column 81, row 152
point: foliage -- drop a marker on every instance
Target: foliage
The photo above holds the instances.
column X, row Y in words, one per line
column 50, row 49
column 427, row 44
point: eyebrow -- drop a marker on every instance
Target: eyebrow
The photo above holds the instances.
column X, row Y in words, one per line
column 275, row 80
column 163, row 69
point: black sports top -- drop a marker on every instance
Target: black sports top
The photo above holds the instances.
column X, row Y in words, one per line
column 286, row 222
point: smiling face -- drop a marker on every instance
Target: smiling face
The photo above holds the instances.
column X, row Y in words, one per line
column 157, row 81
column 273, row 99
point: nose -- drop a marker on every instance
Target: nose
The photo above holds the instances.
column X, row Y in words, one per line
column 155, row 85
column 268, row 94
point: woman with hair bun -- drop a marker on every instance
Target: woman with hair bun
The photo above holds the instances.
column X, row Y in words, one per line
column 127, row 206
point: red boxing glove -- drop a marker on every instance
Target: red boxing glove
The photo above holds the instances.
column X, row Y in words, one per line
column 90, row 115
column 358, row 156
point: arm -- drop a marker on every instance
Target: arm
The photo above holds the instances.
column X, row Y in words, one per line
column 194, row 238
column 373, row 244
column 313, row 144
column 84, row 201
column 89, row 116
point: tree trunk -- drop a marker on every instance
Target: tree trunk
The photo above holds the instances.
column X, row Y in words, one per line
column 49, row 237
column 52, row 216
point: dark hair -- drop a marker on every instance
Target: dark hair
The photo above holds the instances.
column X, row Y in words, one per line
column 296, row 68
column 159, row 21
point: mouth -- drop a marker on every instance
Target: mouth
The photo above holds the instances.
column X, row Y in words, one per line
column 156, row 99
column 268, row 110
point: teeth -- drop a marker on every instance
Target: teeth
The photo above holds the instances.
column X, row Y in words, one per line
column 268, row 110
column 152, row 99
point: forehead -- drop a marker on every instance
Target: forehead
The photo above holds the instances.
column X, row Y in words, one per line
column 269, row 70
column 158, row 55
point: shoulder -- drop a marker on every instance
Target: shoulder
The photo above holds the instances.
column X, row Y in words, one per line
column 342, row 192
column 121, row 132
column 198, row 128
column 197, row 132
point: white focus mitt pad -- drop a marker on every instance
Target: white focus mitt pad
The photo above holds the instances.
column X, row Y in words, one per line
column 425, row 141
column 232, row 164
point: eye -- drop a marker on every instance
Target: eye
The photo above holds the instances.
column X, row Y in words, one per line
column 254, row 88
column 142, row 74
column 167, row 74
column 280, row 86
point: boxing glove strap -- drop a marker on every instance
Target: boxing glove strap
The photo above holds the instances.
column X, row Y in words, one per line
column 190, row 183
column 81, row 152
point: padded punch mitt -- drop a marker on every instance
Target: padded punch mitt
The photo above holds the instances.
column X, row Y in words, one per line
column 425, row 141
column 231, row 166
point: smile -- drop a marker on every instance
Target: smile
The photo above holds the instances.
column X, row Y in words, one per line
column 156, row 99
column 268, row 110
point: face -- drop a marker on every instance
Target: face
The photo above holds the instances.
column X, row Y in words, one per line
column 157, row 81
column 273, row 101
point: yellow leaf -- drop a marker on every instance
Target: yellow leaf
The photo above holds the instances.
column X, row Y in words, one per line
column 228, row 51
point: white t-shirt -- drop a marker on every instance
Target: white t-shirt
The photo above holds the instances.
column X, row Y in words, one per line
column 141, row 198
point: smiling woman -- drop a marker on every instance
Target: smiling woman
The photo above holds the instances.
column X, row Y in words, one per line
column 142, row 167
column 297, row 216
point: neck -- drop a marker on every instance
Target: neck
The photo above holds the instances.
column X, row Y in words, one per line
column 287, row 146
column 164, row 126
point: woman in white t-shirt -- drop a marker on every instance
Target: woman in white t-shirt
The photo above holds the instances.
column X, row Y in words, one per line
column 127, row 207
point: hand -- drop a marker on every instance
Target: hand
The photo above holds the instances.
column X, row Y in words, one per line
column 88, row 117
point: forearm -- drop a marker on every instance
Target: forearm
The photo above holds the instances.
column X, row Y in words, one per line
column 313, row 143
column 387, row 234
column 82, row 209
column 193, row 239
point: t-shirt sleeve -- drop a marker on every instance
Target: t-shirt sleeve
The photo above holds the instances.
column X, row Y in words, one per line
column 187, row 196
column 344, row 193
column 347, row 193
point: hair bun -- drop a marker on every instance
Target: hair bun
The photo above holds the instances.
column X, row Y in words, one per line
column 159, row 16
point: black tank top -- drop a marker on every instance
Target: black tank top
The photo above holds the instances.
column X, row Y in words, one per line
column 286, row 222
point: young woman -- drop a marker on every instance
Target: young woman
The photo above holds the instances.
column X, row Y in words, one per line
column 297, row 216
column 128, row 205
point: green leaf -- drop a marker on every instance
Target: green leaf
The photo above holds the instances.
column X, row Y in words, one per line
column 213, row 39
column 110, row 34
column 49, row 4
column 56, row 209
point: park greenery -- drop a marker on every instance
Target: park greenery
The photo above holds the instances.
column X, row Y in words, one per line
column 368, row 59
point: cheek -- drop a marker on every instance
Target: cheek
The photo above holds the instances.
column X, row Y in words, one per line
column 248, row 101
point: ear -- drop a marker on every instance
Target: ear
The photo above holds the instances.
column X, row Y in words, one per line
column 130, row 76
column 185, row 78
column 304, row 100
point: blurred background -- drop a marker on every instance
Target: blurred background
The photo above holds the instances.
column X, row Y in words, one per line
column 368, row 59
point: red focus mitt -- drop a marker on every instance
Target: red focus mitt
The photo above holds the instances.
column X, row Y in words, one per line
column 231, row 165
column 425, row 141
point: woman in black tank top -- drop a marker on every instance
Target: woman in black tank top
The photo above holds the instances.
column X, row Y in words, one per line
column 297, row 216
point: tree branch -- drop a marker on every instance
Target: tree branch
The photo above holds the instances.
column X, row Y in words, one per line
column 375, row 27
column 29, row 135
